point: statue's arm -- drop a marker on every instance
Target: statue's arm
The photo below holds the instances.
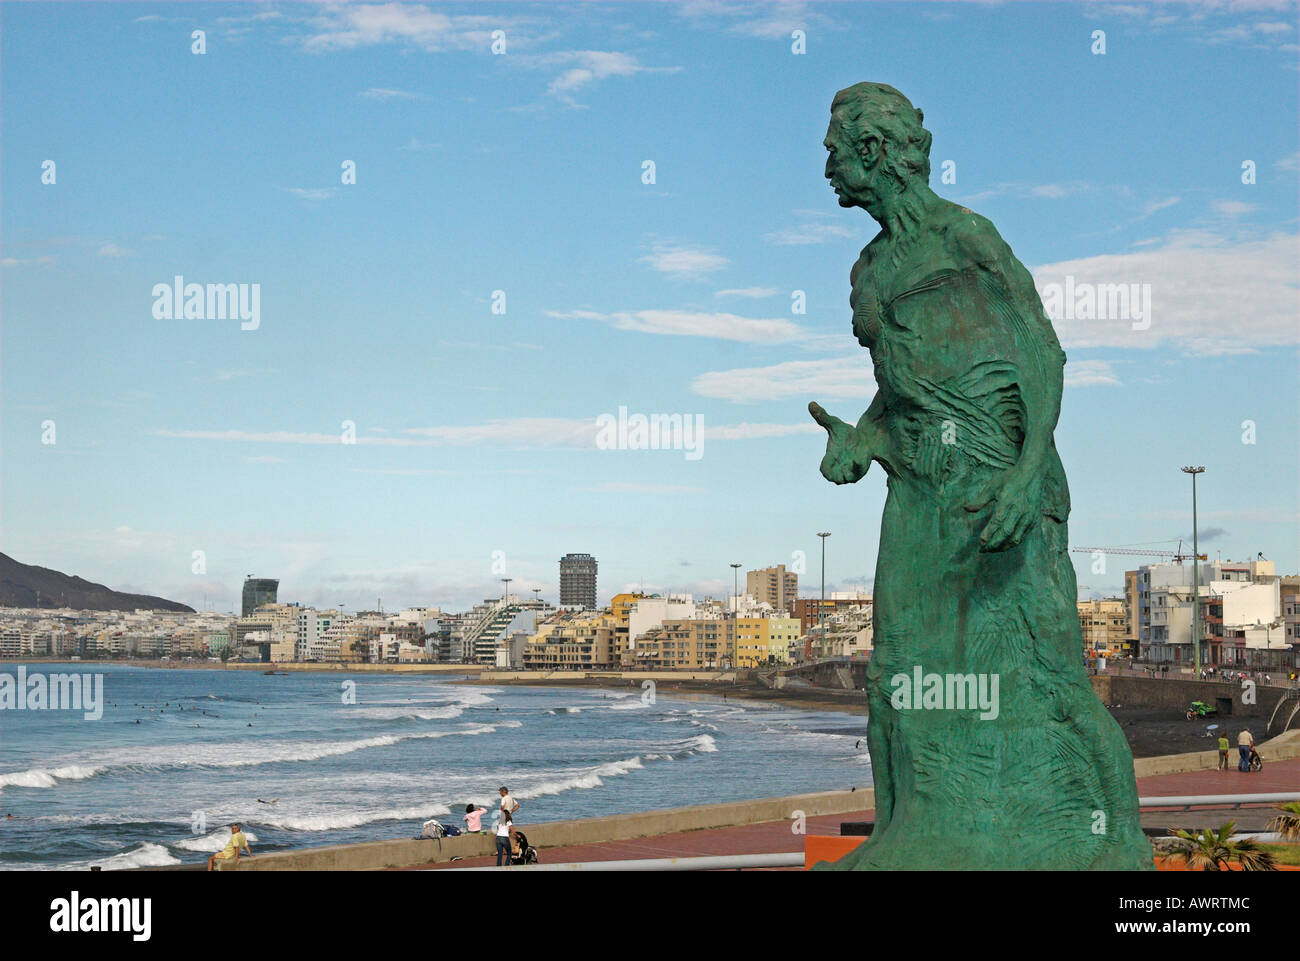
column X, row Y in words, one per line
column 850, row 448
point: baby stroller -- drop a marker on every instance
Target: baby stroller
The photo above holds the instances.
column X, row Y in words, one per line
column 527, row 854
column 1256, row 763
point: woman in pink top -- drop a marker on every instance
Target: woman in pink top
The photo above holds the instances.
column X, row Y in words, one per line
column 474, row 818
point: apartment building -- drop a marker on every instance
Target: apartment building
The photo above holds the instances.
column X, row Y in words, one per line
column 774, row 586
column 573, row 641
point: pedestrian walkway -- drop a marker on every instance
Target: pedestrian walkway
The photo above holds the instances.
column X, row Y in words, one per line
column 772, row 837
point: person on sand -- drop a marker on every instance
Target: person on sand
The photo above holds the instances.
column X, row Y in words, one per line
column 503, row 829
column 230, row 853
column 474, row 819
column 1223, row 752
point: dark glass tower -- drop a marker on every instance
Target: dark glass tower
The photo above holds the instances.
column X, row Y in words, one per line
column 258, row 591
column 578, row 581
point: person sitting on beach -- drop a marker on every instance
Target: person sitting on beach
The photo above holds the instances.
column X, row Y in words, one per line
column 474, row 819
column 503, row 830
column 230, row 853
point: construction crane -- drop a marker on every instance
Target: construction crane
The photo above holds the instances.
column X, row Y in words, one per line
column 1176, row 556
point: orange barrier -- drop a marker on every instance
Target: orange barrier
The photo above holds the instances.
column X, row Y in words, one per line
column 1165, row 864
column 827, row 848
column 831, row 848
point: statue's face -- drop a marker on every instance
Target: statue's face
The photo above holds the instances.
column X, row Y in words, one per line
column 851, row 174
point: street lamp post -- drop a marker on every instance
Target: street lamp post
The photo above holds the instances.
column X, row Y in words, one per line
column 821, row 608
column 1196, row 575
column 735, row 613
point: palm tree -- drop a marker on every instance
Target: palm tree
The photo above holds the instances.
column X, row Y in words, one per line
column 1214, row 850
column 1287, row 824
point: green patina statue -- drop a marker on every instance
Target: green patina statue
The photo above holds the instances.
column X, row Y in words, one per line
column 989, row 749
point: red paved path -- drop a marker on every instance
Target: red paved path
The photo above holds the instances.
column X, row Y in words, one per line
column 773, row 837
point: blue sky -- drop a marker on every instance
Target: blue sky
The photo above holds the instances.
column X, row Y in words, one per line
column 523, row 172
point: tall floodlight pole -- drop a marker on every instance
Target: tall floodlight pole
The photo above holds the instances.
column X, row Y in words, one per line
column 506, row 600
column 537, row 595
column 821, row 609
column 735, row 613
column 1196, row 574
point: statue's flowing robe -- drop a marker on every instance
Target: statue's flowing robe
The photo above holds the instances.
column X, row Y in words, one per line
column 961, row 347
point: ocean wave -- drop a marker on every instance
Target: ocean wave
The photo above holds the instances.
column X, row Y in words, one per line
column 411, row 713
column 582, row 779
column 212, row 842
column 224, row 755
column 342, row 820
column 49, row 777
column 143, row 855
column 703, row 743
column 629, row 705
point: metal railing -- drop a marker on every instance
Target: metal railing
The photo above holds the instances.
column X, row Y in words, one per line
column 741, row 862
column 721, row 862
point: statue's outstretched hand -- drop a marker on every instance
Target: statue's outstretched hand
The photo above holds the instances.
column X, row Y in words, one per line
column 1018, row 494
column 846, row 459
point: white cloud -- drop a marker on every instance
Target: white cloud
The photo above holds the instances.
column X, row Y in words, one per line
column 693, row 324
column 1023, row 190
column 754, row 293
column 627, row 487
column 349, row 26
column 113, row 250
column 385, row 93
column 1155, row 205
column 587, row 66
column 759, row 431
column 26, row 261
column 682, row 262
column 509, row 433
column 804, row 234
column 313, row 193
column 1209, row 295
column 1233, row 208
column 1089, row 373
column 806, row 379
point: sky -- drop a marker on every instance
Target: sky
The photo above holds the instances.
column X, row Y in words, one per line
column 465, row 257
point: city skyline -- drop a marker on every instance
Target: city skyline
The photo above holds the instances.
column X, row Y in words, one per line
column 478, row 450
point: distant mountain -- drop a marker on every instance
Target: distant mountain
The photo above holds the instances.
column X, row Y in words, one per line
column 21, row 585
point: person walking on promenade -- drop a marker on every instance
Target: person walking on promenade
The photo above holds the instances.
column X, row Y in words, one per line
column 230, row 853
column 1223, row 751
column 473, row 819
column 1245, row 741
column 508, row 803
column 503, row 829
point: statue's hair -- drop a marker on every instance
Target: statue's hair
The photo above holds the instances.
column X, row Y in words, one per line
column 877, row 108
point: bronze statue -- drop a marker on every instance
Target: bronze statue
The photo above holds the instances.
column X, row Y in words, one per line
column 988, row 747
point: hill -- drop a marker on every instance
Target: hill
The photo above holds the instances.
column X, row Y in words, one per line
column 25, row 585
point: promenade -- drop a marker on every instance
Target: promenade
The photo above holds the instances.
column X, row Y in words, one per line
column 774, row 837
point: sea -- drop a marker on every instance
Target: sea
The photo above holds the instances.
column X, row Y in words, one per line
column 309, row 759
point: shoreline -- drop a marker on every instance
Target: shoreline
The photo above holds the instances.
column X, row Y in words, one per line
column 694, row 688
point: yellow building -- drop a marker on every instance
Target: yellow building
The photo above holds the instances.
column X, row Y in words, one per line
column 680, row 645
column 584, row 640
column 764, row 641
column 1104, row 625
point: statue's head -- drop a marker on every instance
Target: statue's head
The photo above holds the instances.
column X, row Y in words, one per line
column 877, row 145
